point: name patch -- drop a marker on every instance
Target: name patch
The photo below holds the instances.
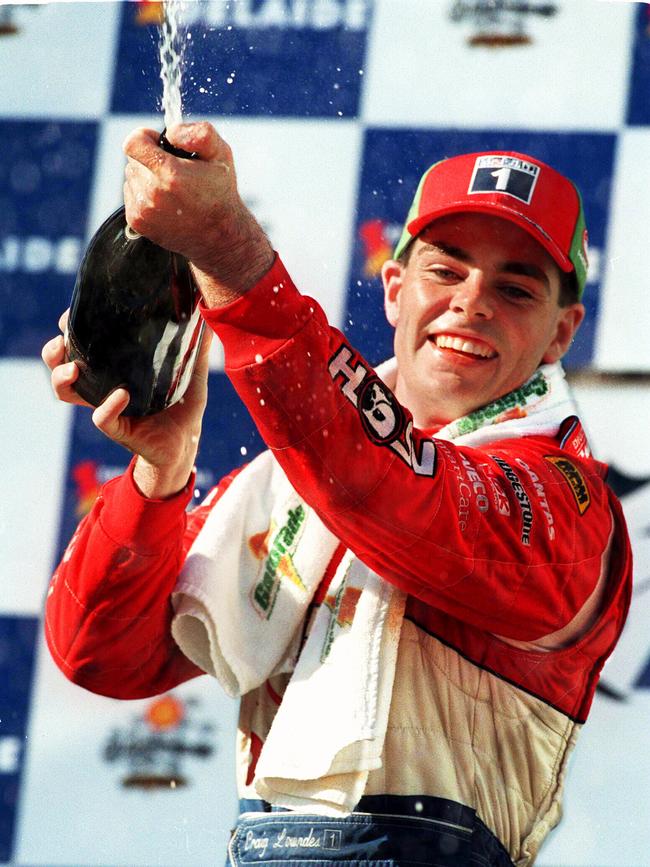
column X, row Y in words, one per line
column 274, row 843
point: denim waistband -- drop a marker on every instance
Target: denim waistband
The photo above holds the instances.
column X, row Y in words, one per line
column 438, row 833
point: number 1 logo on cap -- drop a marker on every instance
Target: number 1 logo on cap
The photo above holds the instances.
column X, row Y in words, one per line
column 496, row 173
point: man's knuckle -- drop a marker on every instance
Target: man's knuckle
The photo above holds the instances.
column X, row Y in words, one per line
column 60, row 387
column 154, row 203
column 136, row 219
column 204, row 130
column 172, row 184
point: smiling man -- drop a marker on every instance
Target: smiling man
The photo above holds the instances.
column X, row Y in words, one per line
column 415, row 588
column 491, row 281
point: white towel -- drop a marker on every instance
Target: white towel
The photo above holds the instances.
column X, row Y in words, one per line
column 249, row 578
column 240, row 606
column 536, row 408
column 340, row 692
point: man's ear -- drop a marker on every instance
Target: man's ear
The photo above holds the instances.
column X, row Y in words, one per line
column 391, row 275
column 569, row 319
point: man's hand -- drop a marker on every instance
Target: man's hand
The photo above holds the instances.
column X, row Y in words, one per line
column 193, row 207
column 166, row 443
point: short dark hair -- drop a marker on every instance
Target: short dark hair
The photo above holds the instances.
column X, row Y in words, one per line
column 569, row 293
column 404, row 257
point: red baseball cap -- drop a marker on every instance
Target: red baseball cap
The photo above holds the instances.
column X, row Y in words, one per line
column 510, row 185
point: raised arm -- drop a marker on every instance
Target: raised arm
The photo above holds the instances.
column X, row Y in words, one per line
column 108, row 612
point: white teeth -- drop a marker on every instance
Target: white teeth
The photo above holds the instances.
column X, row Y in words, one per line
column 449, row 341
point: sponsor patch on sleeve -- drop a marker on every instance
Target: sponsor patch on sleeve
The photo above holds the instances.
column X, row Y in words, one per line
column 383, row 419
column 575, row 480
column 525, row 507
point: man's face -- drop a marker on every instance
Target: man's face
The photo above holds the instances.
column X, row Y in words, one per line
column 475, row 312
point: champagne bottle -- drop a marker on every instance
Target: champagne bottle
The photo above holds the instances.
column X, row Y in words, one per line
column 134, row 318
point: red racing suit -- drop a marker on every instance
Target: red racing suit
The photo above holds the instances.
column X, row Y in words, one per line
column 514, row 556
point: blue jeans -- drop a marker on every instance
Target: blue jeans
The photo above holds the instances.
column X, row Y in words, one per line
column 384, row 831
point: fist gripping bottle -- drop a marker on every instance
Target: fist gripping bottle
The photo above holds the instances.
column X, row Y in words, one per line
column 134, row 318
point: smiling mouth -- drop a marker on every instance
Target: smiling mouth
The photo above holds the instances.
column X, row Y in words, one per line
column 463, row 345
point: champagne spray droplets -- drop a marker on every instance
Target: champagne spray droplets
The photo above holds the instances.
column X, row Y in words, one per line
column 171, row 57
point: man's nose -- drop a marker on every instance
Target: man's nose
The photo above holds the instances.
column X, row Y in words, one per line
column 472, row 298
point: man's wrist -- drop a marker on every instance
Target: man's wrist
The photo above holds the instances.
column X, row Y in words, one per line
column 240, row 258
column 160, row 483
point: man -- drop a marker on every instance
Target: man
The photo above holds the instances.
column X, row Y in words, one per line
column 415, row 588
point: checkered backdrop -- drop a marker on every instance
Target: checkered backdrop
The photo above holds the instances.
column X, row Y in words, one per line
column 333, row 109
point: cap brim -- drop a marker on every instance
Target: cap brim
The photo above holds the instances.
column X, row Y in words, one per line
column 420, row 223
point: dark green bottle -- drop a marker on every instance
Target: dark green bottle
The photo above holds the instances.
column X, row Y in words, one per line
column 134, row 318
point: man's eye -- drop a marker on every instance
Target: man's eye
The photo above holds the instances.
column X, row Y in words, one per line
column 516, row 292
column 445, row 273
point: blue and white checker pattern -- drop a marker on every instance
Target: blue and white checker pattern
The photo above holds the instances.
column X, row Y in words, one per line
column 333, row 109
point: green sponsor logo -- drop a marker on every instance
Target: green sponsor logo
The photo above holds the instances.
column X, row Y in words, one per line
column 279, row 563
column 333, row 624
column 537, row 386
